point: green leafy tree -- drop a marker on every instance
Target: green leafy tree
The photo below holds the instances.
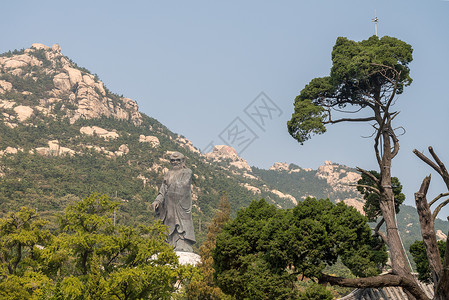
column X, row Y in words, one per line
column 240, row 269
column 371, row 194
column 418, row 250
column 364, row 81
column 89, row 258
column 87, row 228
column 261, row 253
column 205, row 287
column 22, row 237
column 116, row 262
column 316, row 292
column 366, row 75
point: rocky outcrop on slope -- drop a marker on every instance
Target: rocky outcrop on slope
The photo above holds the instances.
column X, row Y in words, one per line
column 98, row 131
column 337, row 176
column 286, row 196
column 342, row 180
column 251, row 188
column 185, row 143
column 282, row 166
column 40, row 80
column 339, row 182
column 440, row 235
column 53, row 149
column 227, row 154
column 10, row 150
column 278, row 166
column 152, row 140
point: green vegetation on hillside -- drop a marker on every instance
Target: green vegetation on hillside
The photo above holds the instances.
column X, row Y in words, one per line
column 302, row 184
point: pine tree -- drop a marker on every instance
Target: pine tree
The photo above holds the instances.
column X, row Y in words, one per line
column 205, row 287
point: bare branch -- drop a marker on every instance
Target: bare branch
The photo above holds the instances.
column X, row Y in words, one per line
column 376, row 147
column 437, row 160
column 378, row 282
column 395, row 87
column 428, row 161
column 347, row 112
column 439, row 207
column 370, row 136
column 395, row 150
column 443, row 169
column 367, row 187
column 384, row 72
column 376, row 229
column 384, row 66
column 377, row 232
column 394, row 115
column 386, row 121
column 403, row 129
column 372, row 101
column 350, row 120
column 381, row 123
column 371, row 176
column 438, row 198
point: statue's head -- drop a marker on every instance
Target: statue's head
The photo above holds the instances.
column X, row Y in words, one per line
column 177, row 160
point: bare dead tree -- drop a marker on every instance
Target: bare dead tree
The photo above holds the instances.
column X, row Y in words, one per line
column 439, row 271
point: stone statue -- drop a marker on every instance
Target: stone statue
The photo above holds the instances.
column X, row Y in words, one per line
column 173, row 204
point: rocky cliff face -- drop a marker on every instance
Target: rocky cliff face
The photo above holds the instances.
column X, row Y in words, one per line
column 40, row 81
column 223, row 153
column 342, row 179
column 338, row 176
column 278, row 166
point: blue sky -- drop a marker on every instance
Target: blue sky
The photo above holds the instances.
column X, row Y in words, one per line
column 196, row 65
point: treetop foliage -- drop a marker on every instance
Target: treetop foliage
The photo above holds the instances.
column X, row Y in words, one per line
column 356, row 67
column 204, row 287
column 89, row 258
column 363, row 74
column 255, row 251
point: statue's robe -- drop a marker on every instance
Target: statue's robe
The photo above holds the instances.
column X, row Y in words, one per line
column 175, row 204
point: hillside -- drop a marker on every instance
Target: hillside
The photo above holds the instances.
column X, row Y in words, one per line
column 64, row 135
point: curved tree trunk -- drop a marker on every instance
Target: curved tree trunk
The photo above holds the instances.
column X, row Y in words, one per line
column 398, row 256
column 428, row 230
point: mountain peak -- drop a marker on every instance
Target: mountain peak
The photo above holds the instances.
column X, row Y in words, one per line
column 279, row 166
column 38, row 46
column 43, row 81
column 227, row 153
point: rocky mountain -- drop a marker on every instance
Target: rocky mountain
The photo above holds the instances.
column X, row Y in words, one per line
column 40, row 81
column 63, row 135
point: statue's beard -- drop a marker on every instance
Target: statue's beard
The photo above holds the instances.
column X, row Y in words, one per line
column 177, row 166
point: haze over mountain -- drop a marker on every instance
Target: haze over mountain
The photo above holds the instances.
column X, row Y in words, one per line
column 63, row 135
